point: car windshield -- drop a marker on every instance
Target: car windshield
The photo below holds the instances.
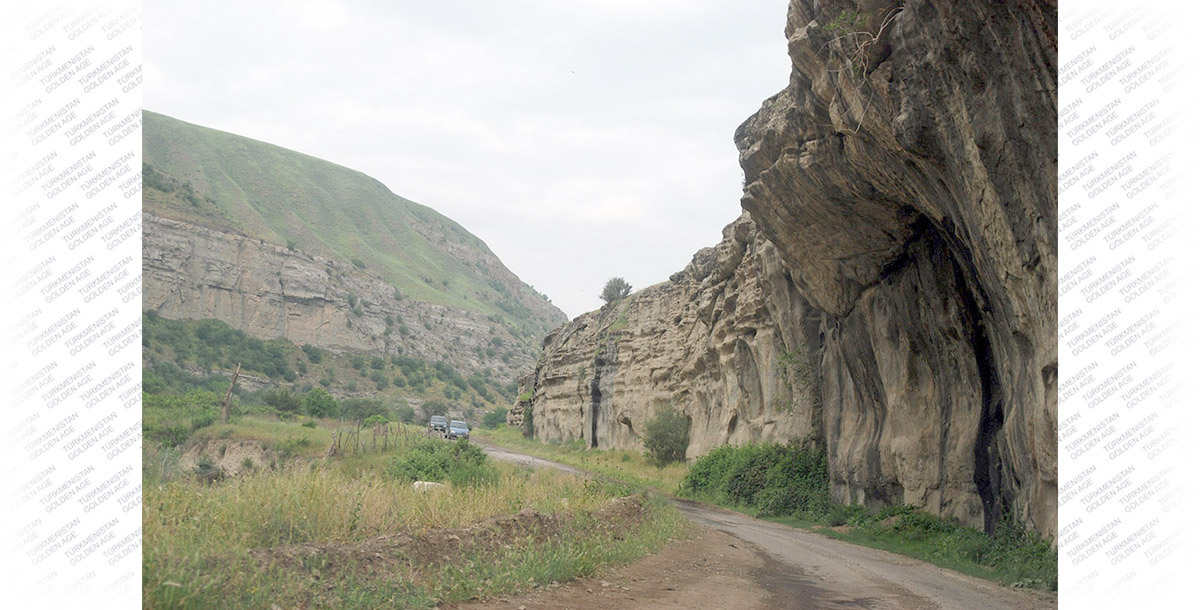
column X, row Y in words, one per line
column 458, row 424
column 438, row 419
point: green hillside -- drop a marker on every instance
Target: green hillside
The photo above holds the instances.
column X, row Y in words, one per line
column 232, row 183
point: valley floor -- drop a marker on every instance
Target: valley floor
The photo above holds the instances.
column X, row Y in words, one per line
column 735, row 561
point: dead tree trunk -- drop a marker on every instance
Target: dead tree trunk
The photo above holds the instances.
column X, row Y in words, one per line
column 229, row 395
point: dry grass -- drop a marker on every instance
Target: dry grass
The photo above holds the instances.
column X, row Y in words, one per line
column 200, row 540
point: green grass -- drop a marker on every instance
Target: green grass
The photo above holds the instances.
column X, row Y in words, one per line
column 289, row 436
column 317, row 207
column 789, row 485
column 316, row 532
column 197, row 538
column 1011, row 556
column 631, row 467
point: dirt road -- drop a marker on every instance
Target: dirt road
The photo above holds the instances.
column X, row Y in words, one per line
column 734, row 561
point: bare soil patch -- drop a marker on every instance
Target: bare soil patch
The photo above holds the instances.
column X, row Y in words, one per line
column 708, row 569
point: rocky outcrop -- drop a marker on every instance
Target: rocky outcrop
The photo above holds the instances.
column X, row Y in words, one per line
column 902, row 246
column 908, row 180
column 270, row 291
column 708, row 342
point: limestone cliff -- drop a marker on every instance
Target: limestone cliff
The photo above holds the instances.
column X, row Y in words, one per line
column 270, row 291
column 902, row 246
column 707, row 341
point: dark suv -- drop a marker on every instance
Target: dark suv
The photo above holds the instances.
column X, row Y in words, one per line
column 438, row 423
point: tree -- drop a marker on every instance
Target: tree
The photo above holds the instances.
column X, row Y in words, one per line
column 433, row 407
column 667, row 435
column 283, row 400
column 495, row 418
column 318, row 403
column 615, row 289
column 406, row 414
column 358, row 409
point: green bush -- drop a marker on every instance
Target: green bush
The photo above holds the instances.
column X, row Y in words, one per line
column 495, row 418
column 319, row 403
column 460, row 463
column 406, row 414
column 212, row 344
column 283, row 400
column 773, row 479
column 666, row 437
column 313, row 353
column 615, row 289
column 358, row 409
column 170, row 419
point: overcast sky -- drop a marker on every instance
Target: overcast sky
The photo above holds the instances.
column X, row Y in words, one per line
column 581, row 139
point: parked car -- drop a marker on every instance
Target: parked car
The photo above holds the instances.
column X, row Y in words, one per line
column 437, row 423
column 458, row 429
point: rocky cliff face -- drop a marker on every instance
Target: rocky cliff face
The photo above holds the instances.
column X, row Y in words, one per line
column 903, row 243
column 708, row 341
column 269, row 291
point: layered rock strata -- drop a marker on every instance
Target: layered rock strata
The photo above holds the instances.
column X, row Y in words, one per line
column 270, row 292
column 707, row 342
column 903, row 245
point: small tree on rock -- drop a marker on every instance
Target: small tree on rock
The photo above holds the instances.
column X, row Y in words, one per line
column 615, row 289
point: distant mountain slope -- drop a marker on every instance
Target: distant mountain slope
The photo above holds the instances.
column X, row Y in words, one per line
column 234, row 184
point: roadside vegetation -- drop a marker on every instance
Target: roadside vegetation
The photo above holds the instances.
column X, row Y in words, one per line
column 631, row 467
column 306, row 496
column 790, row 484
column 291, row 527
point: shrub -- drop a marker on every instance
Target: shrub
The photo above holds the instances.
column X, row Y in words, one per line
column 283, row 400
column 495, row 418
column 319, row 403
column 313, row 353
column 460, row 463
column 406, row 414
column 358, row 409
column 433, row 407
column 667, row 435
column 773, row 479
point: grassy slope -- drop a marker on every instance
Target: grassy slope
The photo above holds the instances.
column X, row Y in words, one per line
column 344, row 516
column 283, row 196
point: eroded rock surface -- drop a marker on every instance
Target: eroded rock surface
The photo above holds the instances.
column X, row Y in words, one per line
column 903, row 245
column 707, row 342
column 270, row 292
